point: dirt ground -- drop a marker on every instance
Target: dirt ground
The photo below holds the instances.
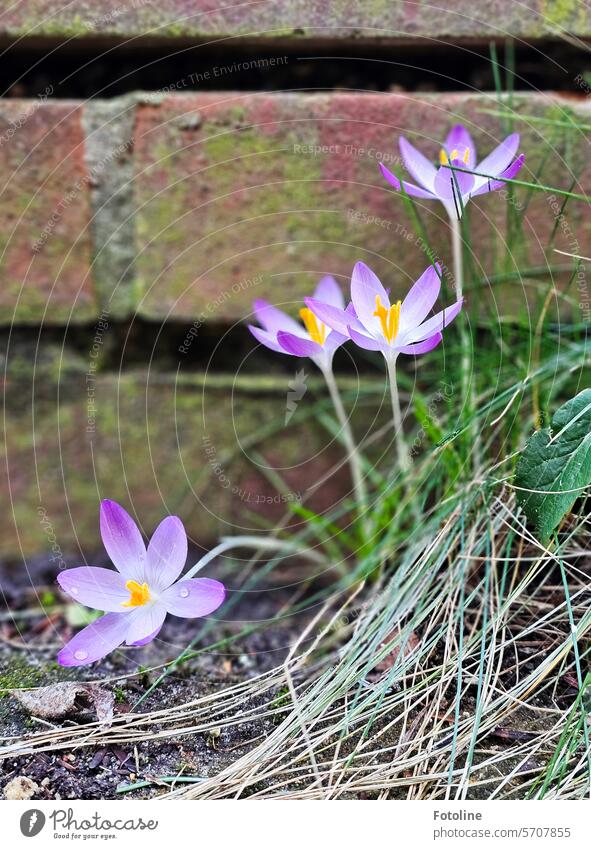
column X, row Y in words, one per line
column 28, row 647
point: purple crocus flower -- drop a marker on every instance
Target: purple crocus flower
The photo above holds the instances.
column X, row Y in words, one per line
column 314, row 339
column 444, row 184
column 378, row 325
column 137, row 597
column 318, row 341
column 401, row 328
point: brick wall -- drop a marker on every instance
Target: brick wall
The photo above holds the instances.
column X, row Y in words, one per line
column 171, row 208
column 174, row 206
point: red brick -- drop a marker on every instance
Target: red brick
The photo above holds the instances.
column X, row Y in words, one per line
column 45, row 212
column 336, row 19
column 157, row 443
column 232, row 205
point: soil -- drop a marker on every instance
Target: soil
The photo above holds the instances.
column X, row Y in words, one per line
column 27, row 659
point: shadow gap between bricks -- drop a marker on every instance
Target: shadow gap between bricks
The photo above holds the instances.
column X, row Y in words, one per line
column 90, row 68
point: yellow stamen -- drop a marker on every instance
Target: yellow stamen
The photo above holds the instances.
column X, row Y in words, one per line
column 139, row 594
column 389, row 318
column 455, row 154
column 316, row 329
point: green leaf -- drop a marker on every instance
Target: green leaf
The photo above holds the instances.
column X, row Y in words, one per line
column 556, row 465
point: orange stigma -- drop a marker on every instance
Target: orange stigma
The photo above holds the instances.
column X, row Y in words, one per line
column 316, row 329
column 389, row 318
column 455, row 154
column 139, row 594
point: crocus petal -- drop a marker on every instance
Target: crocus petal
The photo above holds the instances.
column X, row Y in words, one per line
column 513, row 169
column 508, row 173
column 194, row 597
column 433, row 325
column 269, row 340
column 273, row 319
column 329, row 292
column 298, row 347
column 123, row 541
column 149, row 638
column 365, row 289
column 422, row 347
column 413, row 191
column 167, row 553
column 333, row 317
column 103, row 589
column 448, row 182
column 144, row 622
column 417, row 165
column 500, row 158
column 460, row 139
column 367, row 342
column 334, row 340
column 421, row 298
column 95, row 641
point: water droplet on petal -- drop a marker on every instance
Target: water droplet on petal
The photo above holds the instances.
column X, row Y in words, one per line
column 184, row 593
column 80, row 654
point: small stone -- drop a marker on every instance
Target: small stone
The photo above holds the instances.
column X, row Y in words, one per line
column 20, row 788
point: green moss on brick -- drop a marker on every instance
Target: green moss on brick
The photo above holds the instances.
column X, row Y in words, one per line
column 17, row 673
column 570, row 15
column 237, row 189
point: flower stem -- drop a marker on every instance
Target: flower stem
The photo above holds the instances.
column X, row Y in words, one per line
column 258, row 542
column 456, row 242
column 347, row 434
column 468, row 387
column 403, row 456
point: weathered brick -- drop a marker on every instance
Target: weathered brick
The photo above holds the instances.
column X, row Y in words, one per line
column 190, row 205
column 335, row 19
column 45, row 237
column 246, row 195
column 157, row 443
